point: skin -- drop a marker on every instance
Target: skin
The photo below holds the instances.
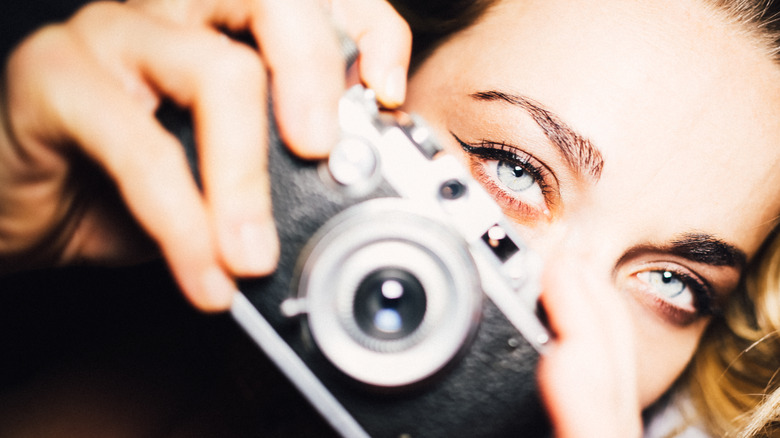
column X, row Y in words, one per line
column 660, row 90
column 79, row 99
column 688, row 147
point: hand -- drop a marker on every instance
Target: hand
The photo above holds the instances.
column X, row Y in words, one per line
column 86, row 171
column 588, row 377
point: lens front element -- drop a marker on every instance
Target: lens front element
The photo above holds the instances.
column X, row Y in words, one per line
column 389, row 304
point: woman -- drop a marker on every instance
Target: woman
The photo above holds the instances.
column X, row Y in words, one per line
column 608, row 132
column 718, row 407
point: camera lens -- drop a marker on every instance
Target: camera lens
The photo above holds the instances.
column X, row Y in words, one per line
column 389, row 304
column 391, row 293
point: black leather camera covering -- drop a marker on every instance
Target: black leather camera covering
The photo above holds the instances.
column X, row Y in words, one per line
column 490, row 391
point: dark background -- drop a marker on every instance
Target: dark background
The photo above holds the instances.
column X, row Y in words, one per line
column 22, row 17
column 84, row 346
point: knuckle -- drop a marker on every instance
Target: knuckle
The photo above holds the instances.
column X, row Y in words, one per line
column 97, row 14
column 314, row 54
column 323, row 53
column 311, row 78
column 35, row 71
column 107, row 28
column 36, row 49
column 236, row 65
column 181, row 12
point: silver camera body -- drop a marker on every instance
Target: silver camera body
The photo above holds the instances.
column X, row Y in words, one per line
column 404, row 303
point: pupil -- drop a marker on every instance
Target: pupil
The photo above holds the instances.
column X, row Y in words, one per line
column 514, row 176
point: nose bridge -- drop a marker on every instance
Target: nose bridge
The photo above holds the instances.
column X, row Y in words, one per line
column 576, row 253
column 580, row 236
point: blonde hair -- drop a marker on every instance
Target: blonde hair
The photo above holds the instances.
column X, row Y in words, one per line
column 733, row 378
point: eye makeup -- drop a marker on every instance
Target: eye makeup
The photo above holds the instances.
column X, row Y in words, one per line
column 654, row 284
column 708, row 266
column 492, row 162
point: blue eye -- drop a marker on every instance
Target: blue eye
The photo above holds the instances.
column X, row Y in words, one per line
column 514, row 176
column 522, row 185
column 679, row 296
column 666, row 283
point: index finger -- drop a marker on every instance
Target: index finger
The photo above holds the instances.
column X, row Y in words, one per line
column 385, row 43
column 307, row 72
column 590, row 370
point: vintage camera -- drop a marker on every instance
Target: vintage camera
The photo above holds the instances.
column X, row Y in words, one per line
column 404, row 305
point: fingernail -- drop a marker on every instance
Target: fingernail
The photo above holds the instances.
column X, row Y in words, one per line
column 395, row 87
column 218, row 289
column 260, row 247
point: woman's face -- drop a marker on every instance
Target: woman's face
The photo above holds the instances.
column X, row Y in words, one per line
column 637, row 139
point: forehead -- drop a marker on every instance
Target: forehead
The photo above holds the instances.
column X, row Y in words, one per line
column 684, row 107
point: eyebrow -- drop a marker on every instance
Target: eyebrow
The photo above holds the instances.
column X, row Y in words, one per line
column 577, row 150
column 699, row 248
column 704, row 248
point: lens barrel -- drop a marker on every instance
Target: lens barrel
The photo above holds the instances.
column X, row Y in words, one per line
column 392, row 296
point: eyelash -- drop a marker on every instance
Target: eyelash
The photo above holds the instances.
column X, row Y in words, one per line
column 701, row 291
column 500, row 151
